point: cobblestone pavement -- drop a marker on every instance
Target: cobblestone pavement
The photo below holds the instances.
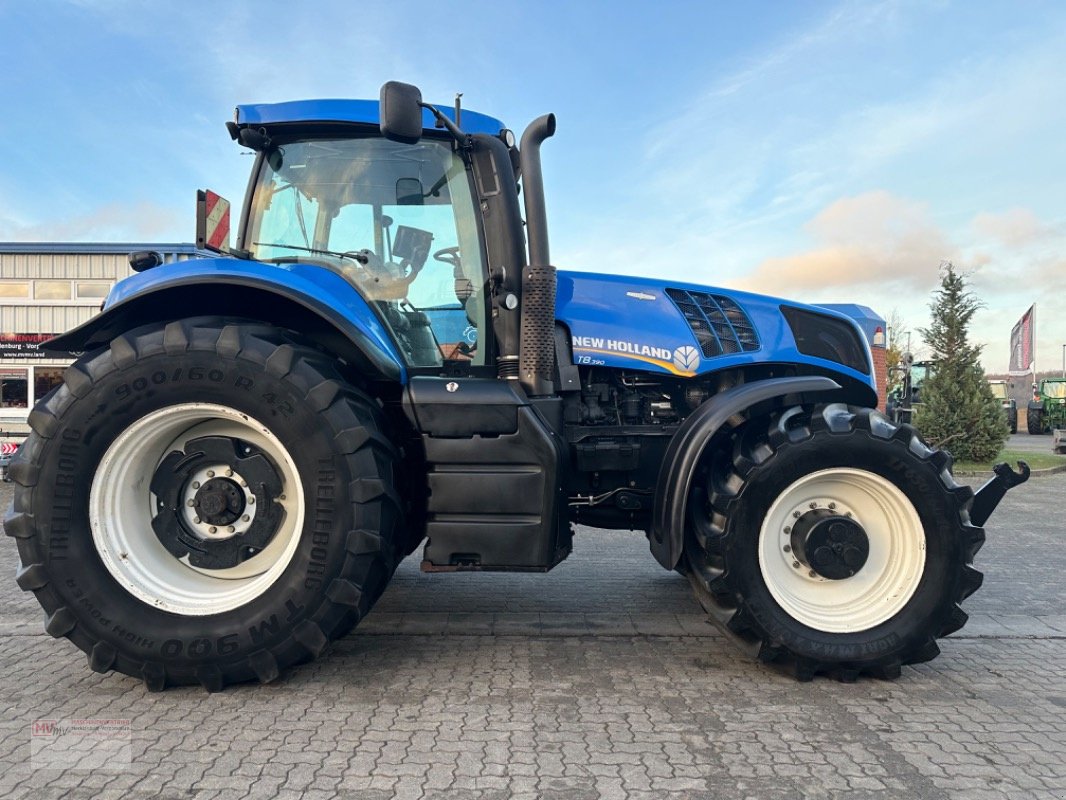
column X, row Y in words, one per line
column 600, row 679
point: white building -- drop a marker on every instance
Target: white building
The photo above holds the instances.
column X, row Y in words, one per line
column 47, row 289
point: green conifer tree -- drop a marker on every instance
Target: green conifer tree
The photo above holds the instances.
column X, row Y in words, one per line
column 958, row 411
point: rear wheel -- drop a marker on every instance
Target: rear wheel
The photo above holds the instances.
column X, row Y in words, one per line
column 833, row 541
column 205, row 503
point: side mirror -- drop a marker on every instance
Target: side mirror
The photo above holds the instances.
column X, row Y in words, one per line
column 401, row 112
column 212, row 222
column 143, row 260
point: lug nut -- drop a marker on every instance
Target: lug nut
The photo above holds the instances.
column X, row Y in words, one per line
column 832, row 506
column 812, row 574
column 788, row 530
column 847, row 514
column 229, row 473
column 787, row 548
column 251, row 501
column 213, row 529
column 245, row 518
column 796, row 514
column 281, row 497
column 190, row 502
column 196, row 520
column 196, row 484
column 796, row 565
column 812, row 505
column 244, row 482
column 231, row 529
column 210, row 473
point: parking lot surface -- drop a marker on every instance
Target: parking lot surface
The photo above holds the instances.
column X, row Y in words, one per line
column 599, row 679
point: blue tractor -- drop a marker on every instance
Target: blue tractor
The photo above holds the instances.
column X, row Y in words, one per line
column 248, row 445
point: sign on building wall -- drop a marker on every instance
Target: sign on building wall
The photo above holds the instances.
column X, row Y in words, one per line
column 23, row 345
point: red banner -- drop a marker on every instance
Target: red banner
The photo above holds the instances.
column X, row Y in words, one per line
column 1022, row 341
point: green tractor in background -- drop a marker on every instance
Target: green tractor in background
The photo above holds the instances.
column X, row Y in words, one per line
column 1047, row 410
column 905, row 389
column 1009, row 404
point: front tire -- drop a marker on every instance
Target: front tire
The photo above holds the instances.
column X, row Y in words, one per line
column 1034, row 421
column 833, row 541
column 205, row 503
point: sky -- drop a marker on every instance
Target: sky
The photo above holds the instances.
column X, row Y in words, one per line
column 823, row 151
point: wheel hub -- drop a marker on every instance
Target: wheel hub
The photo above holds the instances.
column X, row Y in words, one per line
column 833, row 545
column 217, row 502
column 220, row 501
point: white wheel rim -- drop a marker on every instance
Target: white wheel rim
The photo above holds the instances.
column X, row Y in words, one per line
column 884, row 584
column 121, row 508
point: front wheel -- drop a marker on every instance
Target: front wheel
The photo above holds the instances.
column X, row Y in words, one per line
column 204, row 503
column 1034, row 421
column 832, row 540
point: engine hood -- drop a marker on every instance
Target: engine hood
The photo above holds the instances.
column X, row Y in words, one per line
column 684, row 329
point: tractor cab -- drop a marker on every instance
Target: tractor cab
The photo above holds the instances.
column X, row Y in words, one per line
column 904, row 399
column 420, row 216
column 397, row 221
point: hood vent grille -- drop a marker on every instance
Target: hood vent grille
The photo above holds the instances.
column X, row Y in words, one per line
column 721, row 327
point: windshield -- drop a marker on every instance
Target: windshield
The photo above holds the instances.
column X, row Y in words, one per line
column 1056, row 389
column 999, row 390
column 398, row 221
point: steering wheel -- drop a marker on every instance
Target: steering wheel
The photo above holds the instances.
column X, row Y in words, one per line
column 449, row 255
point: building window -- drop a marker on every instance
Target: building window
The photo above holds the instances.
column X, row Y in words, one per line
column 13, row 289
column 45, row 379
column 14, row 388
column 51, row 290
column 94, row 290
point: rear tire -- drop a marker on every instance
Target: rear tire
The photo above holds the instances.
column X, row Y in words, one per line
column 109, row 528
column 806, row 468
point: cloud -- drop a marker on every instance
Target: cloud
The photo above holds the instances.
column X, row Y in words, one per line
column 1017, row 227
column 142, row 221
column 873, row 239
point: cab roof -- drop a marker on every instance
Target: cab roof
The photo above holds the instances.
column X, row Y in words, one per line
column 357, row 111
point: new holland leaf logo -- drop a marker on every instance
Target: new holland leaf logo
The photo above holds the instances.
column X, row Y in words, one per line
column 686, row 358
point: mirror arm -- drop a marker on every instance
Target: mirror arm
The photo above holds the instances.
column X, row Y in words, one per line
column 463, row 139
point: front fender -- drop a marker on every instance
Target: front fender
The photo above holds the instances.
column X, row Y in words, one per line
column 313, row 300
column 683, row 454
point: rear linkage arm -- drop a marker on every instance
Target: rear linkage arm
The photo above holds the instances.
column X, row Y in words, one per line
column 989, row 495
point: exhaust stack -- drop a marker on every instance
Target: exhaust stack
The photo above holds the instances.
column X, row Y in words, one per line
column 537, row 348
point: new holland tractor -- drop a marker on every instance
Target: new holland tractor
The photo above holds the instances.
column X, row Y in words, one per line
column 248, row 445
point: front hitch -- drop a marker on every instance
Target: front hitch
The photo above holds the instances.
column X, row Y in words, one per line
column 988, row 496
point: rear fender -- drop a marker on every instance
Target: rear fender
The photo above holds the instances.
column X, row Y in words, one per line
column 318, row 303
column 669, row 517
